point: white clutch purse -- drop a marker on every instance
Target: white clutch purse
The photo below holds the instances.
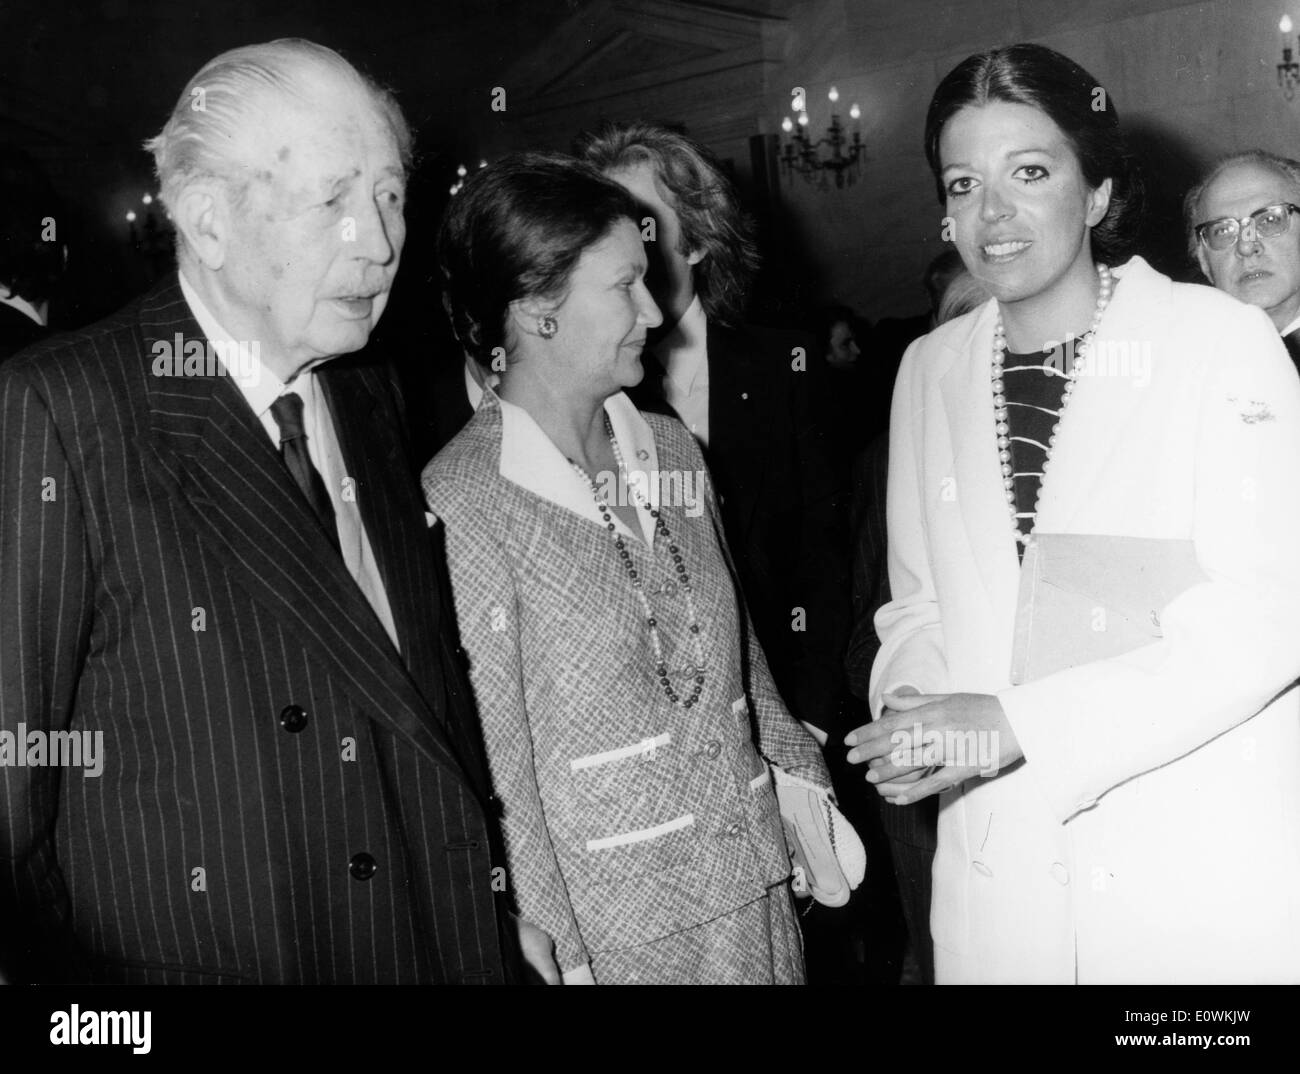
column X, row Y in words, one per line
column 1085, row 597
column 828, row 857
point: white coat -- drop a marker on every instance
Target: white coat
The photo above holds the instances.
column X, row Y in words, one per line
column 1152, row 833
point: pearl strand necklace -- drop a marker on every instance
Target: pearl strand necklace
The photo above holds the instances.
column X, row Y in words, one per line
column 683, row 577
column 1000, row 410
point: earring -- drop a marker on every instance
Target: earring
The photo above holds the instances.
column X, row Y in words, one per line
column 547, row 327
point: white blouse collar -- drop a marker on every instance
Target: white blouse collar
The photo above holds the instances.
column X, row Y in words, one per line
column 532, row 461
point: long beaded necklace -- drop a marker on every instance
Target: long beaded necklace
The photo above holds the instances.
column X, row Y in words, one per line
column 1000, row 403
column 683, row 576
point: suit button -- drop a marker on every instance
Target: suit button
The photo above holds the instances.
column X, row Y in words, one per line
column 713, row 749
column 734, row 830
column 669, row 589
column 981, row 868
column 1060, row 873
column 293, row 718
column 363, row 866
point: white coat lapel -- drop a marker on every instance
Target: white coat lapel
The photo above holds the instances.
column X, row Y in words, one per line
column 968, row 404
column 1112, row 386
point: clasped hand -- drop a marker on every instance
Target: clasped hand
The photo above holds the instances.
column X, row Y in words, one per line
column 926, row 743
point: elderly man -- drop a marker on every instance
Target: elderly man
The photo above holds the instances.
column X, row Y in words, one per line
column 1241, row 229
column 218, row 580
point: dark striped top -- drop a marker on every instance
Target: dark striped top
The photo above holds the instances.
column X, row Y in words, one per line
column 1033, row 389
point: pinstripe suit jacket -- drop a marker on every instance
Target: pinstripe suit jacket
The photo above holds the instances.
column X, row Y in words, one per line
column 626, row 817
column 164, row 582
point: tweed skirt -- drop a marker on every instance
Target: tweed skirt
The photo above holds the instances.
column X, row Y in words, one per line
column 758, row 943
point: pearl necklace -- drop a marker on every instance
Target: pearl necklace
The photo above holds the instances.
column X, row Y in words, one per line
column 683, row 577
column 1000, row 403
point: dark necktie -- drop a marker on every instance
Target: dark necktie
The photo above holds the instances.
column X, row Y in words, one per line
column 1292, row 342
column 287, row 411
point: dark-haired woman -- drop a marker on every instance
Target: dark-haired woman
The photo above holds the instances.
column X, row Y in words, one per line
column 611, row 666
column 1138, row 814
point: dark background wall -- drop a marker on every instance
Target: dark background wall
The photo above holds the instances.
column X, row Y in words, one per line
column 82, row 86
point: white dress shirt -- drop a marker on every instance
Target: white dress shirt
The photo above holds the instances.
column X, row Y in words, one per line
column 684, row 355
column 24, row 307
column 1290, row 328
column 261, row 388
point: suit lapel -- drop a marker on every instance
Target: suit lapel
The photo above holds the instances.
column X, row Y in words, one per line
column 230, row 484
column 390, row 508
column 976, row 470
column 408, row 553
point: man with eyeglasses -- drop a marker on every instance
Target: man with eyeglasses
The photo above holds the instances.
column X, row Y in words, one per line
column 1242, row 231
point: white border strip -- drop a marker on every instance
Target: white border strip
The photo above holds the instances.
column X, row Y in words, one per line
column 646, row 745
column 763, row 777
column 642, row 834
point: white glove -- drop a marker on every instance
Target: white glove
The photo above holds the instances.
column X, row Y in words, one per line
column 828, row 857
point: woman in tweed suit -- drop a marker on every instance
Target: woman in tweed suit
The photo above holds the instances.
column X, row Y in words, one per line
column 626, row 707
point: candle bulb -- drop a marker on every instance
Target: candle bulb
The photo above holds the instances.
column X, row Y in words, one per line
column 855, row 112
column 834, row 95
column 803, row 119
column 787, row 125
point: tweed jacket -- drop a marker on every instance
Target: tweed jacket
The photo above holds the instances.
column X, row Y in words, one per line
column 285, row 797
column 626, row 817
column 1152, row 832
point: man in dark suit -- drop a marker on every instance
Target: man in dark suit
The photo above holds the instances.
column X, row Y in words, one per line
column 31, row 254
column 1243, row 233
column 219, row 580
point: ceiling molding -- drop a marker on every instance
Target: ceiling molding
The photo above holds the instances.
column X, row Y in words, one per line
column 613, row 47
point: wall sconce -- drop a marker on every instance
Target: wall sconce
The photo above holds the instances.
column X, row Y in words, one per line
column 801, row 154
column 1288, row 71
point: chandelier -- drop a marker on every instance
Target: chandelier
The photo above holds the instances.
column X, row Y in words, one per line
column 835, row 155
column 1288, row 71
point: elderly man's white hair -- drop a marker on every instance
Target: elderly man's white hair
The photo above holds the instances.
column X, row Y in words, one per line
column 201, row 138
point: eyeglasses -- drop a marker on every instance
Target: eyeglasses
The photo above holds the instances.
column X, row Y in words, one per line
column 1266, row 223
